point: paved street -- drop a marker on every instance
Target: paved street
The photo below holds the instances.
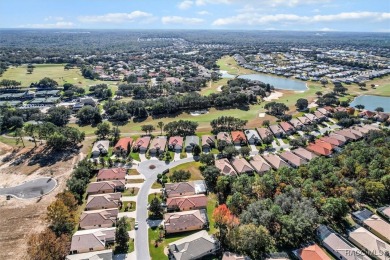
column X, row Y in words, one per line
column 31, row 189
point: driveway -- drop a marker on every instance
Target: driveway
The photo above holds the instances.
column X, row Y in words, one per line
column 176, row 157
column 31, row 189
column 142, row 157
column 149, row 169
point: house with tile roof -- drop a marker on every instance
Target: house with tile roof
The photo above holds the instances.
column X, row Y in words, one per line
column 141, row 144
column 191, row 142
column 185, row 221
column 100, row 148
column 208, row 143
column 324, row 111
column 287, row 128
column 252, row 136
column 384, row 212
column 106, row 187
column 238, row 137
column 111, row 174
column 225, row 167
column 321, row 117
column 347, row 134
column 84, row 241
column 224, row 136
column 319, row 150
column 184, row 203
column 333, row 141
column 242, row 166
column 338, row 245
column 275, row 161
column 373, row 223
column 195, row 246
column 103, row 218
column 292, row 159
column 304, row 120
column 94, row 255
column 312, row 252
column 312, row 118
column 339, row 137
column 259, row 164
column 185, row 188
column 175, row 143
column 303, row 153
column 369, row 243
column 296, row 124
column 264, row 133
column 123, row 145
column 277, row 130
column 103, row 201
column 158, row 145
column 324, row 144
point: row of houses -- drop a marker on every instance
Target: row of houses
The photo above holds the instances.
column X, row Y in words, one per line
column 97, row 222
column 368, row 240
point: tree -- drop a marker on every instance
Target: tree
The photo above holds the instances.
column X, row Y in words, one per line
column 265, row 123
column 196, row 150
column 19, row 134
column 103, row 130
column 359, row 107
column 121, row 236
column 116, row 134
column 245, row 151
column 68, row 199
column 15, row 121
column 46, row 245
column 160, row 125
column 230, row 151
column 60, row 219
column 302, row 104
column 180, row 175
column 227, row 124
column 148, row 128
column 89, row 115
column 210, row 175
column 207, row 159
column 181, row 128
column 335, row 208
column 254, row 241
column 379, row 109
column 375, row 190
column 155, row 207
column 58, row 115
column 319, row 93
column 32, row 130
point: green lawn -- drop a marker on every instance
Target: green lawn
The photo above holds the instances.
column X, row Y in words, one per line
column 131, row 209
column 156, row 185
column 135, row 180
column 192, row 167
column 212, row 87
column 152, row 196
column 133, row 172
column 211, row 202
column 135, row 156
column 130, row 192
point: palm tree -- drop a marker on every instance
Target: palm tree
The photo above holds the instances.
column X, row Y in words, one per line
column 160, row 125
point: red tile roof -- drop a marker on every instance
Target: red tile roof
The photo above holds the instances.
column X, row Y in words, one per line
column 185, row 202
column 238, row 136
column 324, row 144
column 315, row 148
column 313, row 252
column 286, row 126
column 176, row 140
column 112, row 174
column 123, row 143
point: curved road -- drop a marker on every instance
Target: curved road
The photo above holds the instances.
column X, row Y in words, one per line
column 141, row 235
column 31, row 189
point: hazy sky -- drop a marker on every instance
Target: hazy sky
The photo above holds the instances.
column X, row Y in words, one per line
column 314, row 15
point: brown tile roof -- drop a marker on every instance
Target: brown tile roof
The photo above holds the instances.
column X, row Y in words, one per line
column 264, row 132
column 339, row 137
column 208, row 140
column 98, row 217
column 158, row 143
column 362, row 238
column 175, row 189
column 224, row 136
column 259, row 164
column 311, row 117
column 380, row 226
column 183, row 202
column 305, row 154
column 286, row 126
column 233, row 256
column 319, row 115
column 331, row 140
column 238, row 136
column 324, row 144
column 348, row 134
column 182, row 221
column 241, row 165
column 84, row 240
column 142, row 142
column 292, row 158
column 296, row 123
column 123, row 143
column 111, row 174
column 96, row 187
column 225, row 167
column 304, row 120
column 323, row 111
column 276, row 129
column 275, row 161
column 315, row 148
column 103, row 201
column 313, row 252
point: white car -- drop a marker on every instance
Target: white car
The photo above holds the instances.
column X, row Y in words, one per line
column 136, row 225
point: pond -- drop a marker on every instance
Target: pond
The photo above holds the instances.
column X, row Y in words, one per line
column 226, row 75
column 371, row 102
column 277, row 82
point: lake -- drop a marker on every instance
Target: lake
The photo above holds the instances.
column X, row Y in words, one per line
column 277, row 82
column 372, row 102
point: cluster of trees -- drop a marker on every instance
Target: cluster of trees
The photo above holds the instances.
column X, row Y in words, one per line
column 78, row 182
column 71, row 90
column 101, row 91
column 227, row 124
column 179, row 176
column 181, row 128
column 45, row 83
column 281, row 209
column 9, row 83
column 328, row 99
column 276, row 109
column 88, row 73
column 302, row 104
column 89, row 115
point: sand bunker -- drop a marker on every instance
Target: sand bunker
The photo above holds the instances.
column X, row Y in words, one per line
column 274, row 96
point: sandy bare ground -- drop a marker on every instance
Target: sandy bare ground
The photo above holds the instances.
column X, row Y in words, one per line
column 274, row 96
column 20, row 218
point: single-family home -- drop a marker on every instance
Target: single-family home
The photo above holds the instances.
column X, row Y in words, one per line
column 195, row 246
column 292, row 159
column 319, row 150
column 233, row 256
column 123, row 146
column 372, row 245
column 259, row 164
column 141, row 144
column 312, row 252
column 324, row 111
column 264, row 133
column 324, row 144
column 312, row 118
column 241, row 165
column 366, row 114
column 384, row 212
column 333, row 141
column 208, row 143
column 348, row 134
column 339, row 137
column 338, row 246
column 357, row 133
column 303, row 153
column 321, row 117
column 183, row 203
column 224, row 136
column 287, row 128
column 191, row 141
column 99, row 255
column 84, row 241
column 102, row 218
column 185, row 221
column 277, row 130
column 158, row 145
column 175, row 143
column 370, row 127
column 275, row 161
column 111, row 174
column 100, row 148
column 238, row 137
column 304, row 120
column 373, row 223
column 106, row 187
column 296, row 124
column 225, row 167
column 185, row 188
column 362, row 130
column 252, row 136
column 103, row 201
column 381, row 117
column 88, row 101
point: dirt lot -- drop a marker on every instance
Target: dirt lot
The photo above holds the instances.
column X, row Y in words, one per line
column 20, row 218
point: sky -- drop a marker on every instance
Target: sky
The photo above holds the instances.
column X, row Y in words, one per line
column 301, row 15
